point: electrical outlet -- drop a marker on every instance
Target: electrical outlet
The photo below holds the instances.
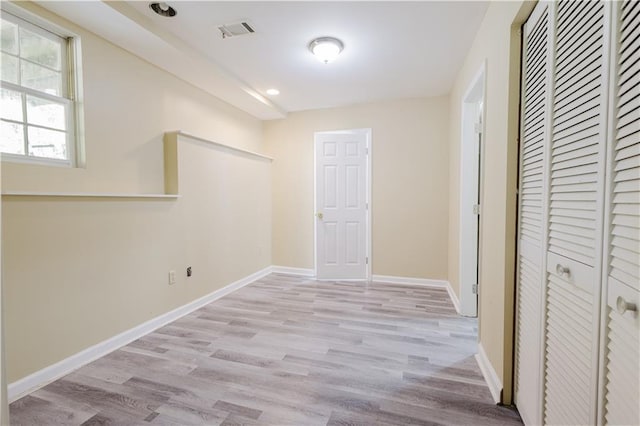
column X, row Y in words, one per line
column 172, row 277
column 189, row 271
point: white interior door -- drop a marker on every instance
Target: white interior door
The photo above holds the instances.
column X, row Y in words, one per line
column 342, row 225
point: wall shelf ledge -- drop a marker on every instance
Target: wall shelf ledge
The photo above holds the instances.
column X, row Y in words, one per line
column 86, row 195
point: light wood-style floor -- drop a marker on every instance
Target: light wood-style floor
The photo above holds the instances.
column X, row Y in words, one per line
column 287, row 350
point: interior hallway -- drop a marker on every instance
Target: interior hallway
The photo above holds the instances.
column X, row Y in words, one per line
column 287, row 350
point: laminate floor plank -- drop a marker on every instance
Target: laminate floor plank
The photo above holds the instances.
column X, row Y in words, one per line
column 287, row 350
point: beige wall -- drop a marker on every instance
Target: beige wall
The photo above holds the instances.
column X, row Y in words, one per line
column 80, row 270
column 410, row 177
column 4, row 409
column 498, row 43
column 128, row 105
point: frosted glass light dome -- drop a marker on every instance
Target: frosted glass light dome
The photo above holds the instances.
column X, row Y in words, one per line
column 326, row 49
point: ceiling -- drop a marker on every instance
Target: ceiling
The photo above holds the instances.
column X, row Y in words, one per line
column 392, row 49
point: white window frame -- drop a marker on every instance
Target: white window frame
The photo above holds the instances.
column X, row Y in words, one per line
column 71, row 96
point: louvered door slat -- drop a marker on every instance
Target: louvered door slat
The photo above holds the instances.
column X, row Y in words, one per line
column 533, row 156
column 629, row 129
column 569, row 16
column 569, row 324
column 570, row 93
column 583, row 65
column 629, row 68
column 568, row 22
column 533, row 114
column 535, row 89
column 563, row 362
column 557, row 335
column 571, row 223
column 572, row 213
column 569, row 57
column 581, row 73
column 622, row 266
column 533, row 152
column 628, row 56
column 629, row 95
column 536, row 138
column 567, row 179
column 570, row 167
column 624, row 246
column 621, row 240
column 625, row 216
column 583, row 137
column 629, row 16
column 627, row 9
column 626, row 198
column 621, row 344
column 631, row 152
column 622, row 352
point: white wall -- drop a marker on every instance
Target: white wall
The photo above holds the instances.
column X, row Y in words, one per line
column 409, row 181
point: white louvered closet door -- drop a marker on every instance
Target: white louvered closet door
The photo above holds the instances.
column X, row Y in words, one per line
column 575, row 212
column 621, row 378
column 533, row 165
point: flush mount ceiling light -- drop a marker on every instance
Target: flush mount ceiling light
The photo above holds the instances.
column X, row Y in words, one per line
column 273, row 92
column 163, row 9
column 326, row 49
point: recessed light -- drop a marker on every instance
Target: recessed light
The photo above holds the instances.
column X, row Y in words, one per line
column 326, row 49
column 273, row 92
column 163, row 9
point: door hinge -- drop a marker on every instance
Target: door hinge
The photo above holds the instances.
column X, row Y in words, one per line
column 366, row 206
column 474, row 289
column 477, row 127
column 366, row 259
column 476, row 209
column 366, row 151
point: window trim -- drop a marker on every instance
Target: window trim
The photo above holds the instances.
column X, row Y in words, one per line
column 71, row 85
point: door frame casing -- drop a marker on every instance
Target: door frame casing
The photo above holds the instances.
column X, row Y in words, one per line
column 368, row 245
column 474, row 95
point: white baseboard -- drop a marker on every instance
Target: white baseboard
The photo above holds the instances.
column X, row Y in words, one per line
column 453, row 297
column 53, row 372
column 422, row 282
column 293, row 271
column 410, row 281
column 490, row 375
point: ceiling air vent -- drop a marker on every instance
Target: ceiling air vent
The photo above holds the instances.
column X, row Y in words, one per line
column 237, row 29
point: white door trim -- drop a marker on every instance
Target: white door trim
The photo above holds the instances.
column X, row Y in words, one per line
column 367, row 132
column 470, row 184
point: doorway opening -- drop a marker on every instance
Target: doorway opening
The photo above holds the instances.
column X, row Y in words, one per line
column 471, row 193
column 342, row 206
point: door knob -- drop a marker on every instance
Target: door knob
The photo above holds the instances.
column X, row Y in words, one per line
column 561, row 270
column 319, row 215
column 624, row 306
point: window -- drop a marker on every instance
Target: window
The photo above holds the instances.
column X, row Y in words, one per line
column 37, row 108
